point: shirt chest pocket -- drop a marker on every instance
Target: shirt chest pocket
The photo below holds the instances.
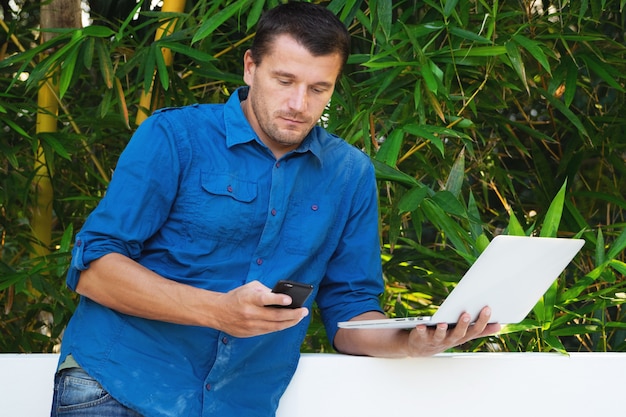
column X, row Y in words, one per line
column 227, row 207
column 310, row 226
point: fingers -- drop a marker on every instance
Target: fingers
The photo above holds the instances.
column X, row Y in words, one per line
column 245, row 311
column 424, row 341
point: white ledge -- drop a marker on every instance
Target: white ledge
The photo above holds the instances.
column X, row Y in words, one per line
column 517, row 384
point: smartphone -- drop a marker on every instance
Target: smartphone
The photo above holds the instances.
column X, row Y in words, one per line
column 298, row 292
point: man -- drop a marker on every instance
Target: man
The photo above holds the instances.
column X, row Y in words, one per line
column 209, row 206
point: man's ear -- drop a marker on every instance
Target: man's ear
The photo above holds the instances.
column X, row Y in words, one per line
column 248, row 67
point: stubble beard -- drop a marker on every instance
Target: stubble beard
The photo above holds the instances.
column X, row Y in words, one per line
column 268, row 123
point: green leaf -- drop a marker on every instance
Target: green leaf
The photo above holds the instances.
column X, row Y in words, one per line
column 106, row 67
column 98, row 31
column 535, row 50
column 571, row 79
column 514, row 228
column 161, row 68
column 213, row 22
column 387, row 173
column 449, row 6
column 384, row 16
column 450, row 203
column 67, row 71
column 17, row 128
column 518, row 64
column 468, row 35
column 411, row 200
column 427, row 75
column 455, row 180
column 552, row 220
column 425, row 133
column 58, row 148
column 254, row 14
column 565, row 111
column 618, row 246
column 192, row 53
column 600, row 69
column 600, row 247
column 390, row 149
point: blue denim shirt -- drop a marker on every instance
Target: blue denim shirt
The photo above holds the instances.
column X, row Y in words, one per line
column 197, row 198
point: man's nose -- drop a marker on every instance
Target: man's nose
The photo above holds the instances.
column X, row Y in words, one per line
column 298, row 100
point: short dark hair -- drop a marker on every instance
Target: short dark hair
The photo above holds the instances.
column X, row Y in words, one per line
column 311, row 25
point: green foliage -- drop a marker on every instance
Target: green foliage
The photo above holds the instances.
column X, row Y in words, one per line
column 481, row 118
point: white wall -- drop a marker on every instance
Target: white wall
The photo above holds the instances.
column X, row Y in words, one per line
column 538, row 384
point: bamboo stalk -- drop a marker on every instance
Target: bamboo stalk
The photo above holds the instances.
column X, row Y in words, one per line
column 166, row 28
column 43, row 194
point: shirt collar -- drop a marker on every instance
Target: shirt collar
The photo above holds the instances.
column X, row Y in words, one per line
column 239, row 131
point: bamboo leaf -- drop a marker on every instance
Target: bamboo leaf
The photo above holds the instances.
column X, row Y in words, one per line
column 552, row 220
column 387, row 173
column 571, row 78
column 17, row 128
column 600, row 69
column 428, row 76
column 518, row 64
column 468, row 35
column 162, row 70
column 213, row 22
column 476, row 226
column 411, row 200
column 67, row 72
column 449, row 6
column 442, row 221
column 422, row 132
column 449, row 203
column 618, row 246
column 535, row 50
column 600, row 258
column 97, row 31
column 87, row 50
column 58, row 148
column 455, row 180
column 106, row 67
column 514, row 228
column 192, row 53
column 254, row 14
column 390, row 149
column 565, row 111
column 122, row 102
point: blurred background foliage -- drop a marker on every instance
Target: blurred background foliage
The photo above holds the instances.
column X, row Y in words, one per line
column 482, row 118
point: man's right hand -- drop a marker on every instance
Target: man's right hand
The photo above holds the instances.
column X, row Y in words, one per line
column 244, row 311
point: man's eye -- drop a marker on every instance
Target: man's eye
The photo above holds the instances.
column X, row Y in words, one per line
column 284, row 82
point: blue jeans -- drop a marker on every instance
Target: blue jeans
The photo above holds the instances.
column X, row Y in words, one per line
column 77, row 394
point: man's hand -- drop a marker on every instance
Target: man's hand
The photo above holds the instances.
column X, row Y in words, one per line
column 420, row 341
column 244, row 311
column 427, row 341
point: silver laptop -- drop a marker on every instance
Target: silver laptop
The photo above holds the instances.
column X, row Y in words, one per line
column 510, row 276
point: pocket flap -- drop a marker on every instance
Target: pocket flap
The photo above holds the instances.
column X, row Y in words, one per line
column 227, row 185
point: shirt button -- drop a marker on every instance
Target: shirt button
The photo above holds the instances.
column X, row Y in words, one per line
column 314, row 207
column 208, row 387
column 277, row 164
column 259, row 261
column 225, row 340
column 273, row 212
column 229, row 189
column 79, row 243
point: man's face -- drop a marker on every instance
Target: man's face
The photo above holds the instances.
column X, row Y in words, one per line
column 289, row 90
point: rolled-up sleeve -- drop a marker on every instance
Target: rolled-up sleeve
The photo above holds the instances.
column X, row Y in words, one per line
column 353, row 281
column 137, row 201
